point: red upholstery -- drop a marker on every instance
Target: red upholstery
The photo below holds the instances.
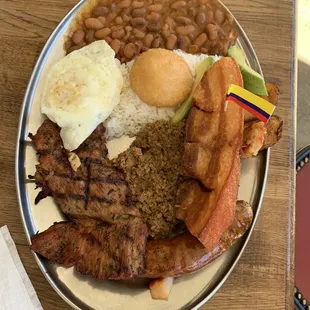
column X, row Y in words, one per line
column 302, row 243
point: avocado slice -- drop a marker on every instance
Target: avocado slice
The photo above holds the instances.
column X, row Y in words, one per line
column 183, row 110
column 253, row 81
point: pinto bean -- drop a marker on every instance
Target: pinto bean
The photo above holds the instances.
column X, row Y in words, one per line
column 155, row 7
column 219, row 17
column 209, row 16
column 212, row 32
column 229, row 18
column 119, row 20
column 137, row 4
column 183, row 20
column 124, row 4
column 152, row 27
column 171, row 41
column 193, row 49
column 204, row 50
column 100, row 11
column 93, row 23
column 138, row 12
column 78, row 36
column 170, row 21
column 154, row 16
column 183, row 42
column 192, row 11
column 90, row 36
column 126, row 18
column 138, row 21
column 185, row 30
column 139, row 34
column 129, row 50
column 102, row 19
column 139, row 46
column 156, row 43
column 165, row 27
column 101, row 34
column 128, row 28
column 115, row 45
column 201, row 18
column 118, row 33
column 148, row 39
column 201, row 39
column 178, row 4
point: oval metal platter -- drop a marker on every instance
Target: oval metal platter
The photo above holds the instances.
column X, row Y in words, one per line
column 82, row 292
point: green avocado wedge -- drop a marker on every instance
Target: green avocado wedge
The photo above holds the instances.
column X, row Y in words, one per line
column 253, row 81
column 183, row 110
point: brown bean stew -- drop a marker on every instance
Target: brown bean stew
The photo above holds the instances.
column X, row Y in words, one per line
column 132, row 27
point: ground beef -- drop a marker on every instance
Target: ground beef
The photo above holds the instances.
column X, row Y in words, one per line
column 153, row 168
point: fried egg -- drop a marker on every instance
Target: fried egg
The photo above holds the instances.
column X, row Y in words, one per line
column 81, row 91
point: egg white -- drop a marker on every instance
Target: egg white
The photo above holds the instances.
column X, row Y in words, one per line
column 81, row 91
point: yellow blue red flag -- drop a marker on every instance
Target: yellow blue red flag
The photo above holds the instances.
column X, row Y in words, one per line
column 256, row 105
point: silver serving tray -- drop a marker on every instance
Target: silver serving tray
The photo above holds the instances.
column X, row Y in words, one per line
column 83, row 292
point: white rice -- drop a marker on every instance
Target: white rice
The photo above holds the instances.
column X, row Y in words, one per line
column 193, row 60
column 132, row 114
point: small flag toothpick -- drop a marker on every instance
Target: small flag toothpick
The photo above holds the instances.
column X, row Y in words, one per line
column 256, row 105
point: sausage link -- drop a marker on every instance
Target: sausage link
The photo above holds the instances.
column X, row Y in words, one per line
column 185, row 254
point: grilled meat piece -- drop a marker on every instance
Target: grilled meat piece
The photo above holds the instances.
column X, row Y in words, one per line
column 117, row 251
column 259, row 136
column 274, row 131
column 96, row 190
column 104, row 251
column 253, row 138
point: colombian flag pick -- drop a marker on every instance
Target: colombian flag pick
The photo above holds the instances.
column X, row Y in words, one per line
column 257, row 106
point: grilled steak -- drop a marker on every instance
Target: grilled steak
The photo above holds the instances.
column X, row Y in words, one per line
column 96, row 190
column 117, row 251
column 102, row 250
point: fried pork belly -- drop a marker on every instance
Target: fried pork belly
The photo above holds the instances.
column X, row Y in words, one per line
column 214, row 134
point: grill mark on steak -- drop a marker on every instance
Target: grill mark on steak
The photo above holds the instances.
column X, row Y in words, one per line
column 73, row 196
column 68, row 177
column 87, row 184
column 59, row 158
column 93, row 180
column 101, row 199
column 112, row 181
column 97, row 189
